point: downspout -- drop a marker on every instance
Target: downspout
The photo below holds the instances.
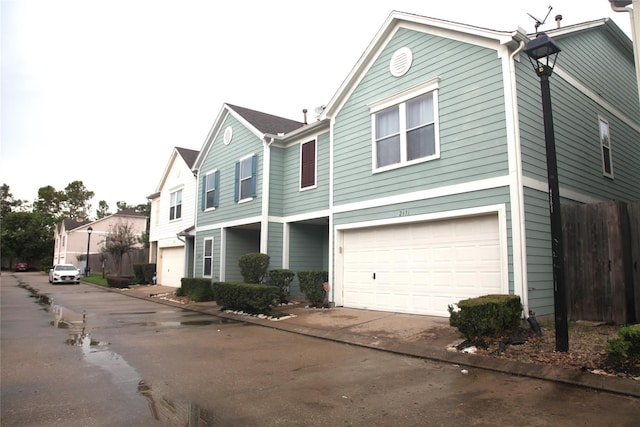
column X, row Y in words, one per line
column 520, row 220
column 634, row 17
column 266, row 170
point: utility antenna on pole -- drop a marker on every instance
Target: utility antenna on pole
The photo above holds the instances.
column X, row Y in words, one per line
column 539, row 22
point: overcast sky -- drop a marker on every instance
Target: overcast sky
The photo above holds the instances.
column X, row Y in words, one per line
column 101, row 91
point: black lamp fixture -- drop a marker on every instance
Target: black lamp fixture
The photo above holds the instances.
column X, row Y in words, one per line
column 86, row 267
column 543, row 52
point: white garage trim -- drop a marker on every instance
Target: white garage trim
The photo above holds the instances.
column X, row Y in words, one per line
column 502, row 263
column 170, row 266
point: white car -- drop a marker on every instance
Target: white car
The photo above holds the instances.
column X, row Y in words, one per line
column 64, row 273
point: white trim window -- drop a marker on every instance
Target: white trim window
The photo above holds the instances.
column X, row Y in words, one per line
column 405, row 132
column 210, row 192
column 308, row 169
column 207, row 257
column 175, row 205
column 605, row 148
column 245, row 182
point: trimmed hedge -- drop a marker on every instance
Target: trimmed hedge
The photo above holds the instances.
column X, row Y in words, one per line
column 486, row 315
column 197, row 288
column 311, row 284
column 253, row 267
column 282, row 279
column 247, row 297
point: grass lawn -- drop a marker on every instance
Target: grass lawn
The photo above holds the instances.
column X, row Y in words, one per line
column 96, row 279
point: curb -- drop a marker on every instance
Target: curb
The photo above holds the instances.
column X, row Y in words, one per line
column 610, row 384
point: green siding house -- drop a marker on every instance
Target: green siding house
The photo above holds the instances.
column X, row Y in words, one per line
column 423, row 180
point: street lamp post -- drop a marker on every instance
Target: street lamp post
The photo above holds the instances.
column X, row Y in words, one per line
column 86, row 267
column 542, row 52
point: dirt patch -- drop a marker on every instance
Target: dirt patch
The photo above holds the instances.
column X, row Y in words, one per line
column 587, row 344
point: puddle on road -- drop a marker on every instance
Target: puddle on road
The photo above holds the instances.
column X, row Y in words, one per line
column 97, row 353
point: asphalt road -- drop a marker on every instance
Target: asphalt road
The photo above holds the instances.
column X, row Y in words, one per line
column 74, row 355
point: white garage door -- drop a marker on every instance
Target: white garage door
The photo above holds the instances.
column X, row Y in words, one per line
column 170, row 266
column 421, row 267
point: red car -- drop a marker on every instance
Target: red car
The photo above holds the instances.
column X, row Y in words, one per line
column 22, row 266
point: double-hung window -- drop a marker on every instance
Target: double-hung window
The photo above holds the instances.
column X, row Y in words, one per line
column 308, row 165
column 207, row 258
column 210, row 190
column 405, row 129
column 175, row 205
column 245, row 185
column 605, row 148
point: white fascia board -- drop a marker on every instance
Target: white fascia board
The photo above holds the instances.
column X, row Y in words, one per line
column 543, row 186
column 229, row 224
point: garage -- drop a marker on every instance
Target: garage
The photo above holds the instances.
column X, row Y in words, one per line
column 170, row 266
column 421, row 267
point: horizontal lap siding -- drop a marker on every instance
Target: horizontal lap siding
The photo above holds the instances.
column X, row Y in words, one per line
column 276, row 180
column 471, row 118
column 224, row 157
column 199, row 253
column 577, row 137
column 294, row 201
column 539, row 267
column 274, row 248
column 598, row 74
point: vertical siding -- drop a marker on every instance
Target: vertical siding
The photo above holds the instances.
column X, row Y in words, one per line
column 471, row 117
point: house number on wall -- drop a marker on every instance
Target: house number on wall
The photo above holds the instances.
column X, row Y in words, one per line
column 404, row 212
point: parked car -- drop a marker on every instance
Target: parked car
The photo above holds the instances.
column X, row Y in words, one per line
column 22, row 266
column 64, row 273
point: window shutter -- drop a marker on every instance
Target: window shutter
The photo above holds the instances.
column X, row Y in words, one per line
column 254, row 167
column 236, row 191
column 216, row 188
column 204, row 193
column 308, row 165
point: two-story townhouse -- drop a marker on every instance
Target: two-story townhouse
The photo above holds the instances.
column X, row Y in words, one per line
column 73, row 239
column 433, row 181
column 173, row 207
column 440, row 190
column 263, row 183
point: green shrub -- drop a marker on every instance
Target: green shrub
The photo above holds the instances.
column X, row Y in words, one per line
column 282, row 279
column 253, row 267
column 197, row 288
column 311, row 284
column 486, row 315
column 624, row 351
column 247, row 297
column 143, row 273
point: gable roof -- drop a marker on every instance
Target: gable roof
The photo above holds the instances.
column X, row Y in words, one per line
column 396, row 20
column 70, row 224
column 189, row 156
column 266, row 123
column 259, row 123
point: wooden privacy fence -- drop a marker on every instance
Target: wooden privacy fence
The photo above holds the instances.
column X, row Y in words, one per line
column 138, row 256
column 601, row 259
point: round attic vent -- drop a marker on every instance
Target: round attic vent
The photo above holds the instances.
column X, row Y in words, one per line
column 228, row 134
column 401, row 62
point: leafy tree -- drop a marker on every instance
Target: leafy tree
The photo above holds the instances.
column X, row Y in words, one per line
column 103, row 210
column 76, row 201
column 7, row 202
column 49, row 202
column 27, row 236
column 120, row 241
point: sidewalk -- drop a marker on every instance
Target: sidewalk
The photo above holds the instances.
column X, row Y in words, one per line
column 411, row 335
